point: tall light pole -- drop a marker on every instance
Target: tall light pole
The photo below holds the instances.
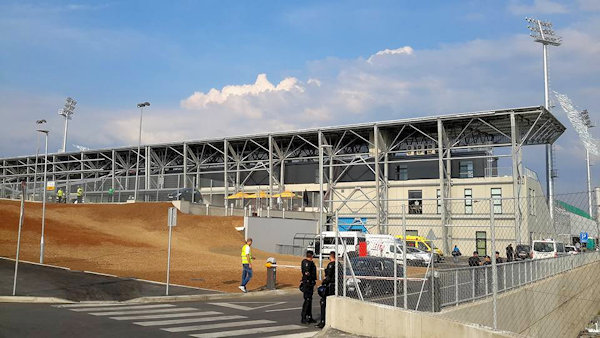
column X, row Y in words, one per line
column 137, row 165
column 44, row 196
column 585, row 116
column 541, row 31
column 37, row 153
column 67, row 112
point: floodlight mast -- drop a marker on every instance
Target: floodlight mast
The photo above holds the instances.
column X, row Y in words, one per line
column 67, row 112
column 541, row 31
column 585, row 116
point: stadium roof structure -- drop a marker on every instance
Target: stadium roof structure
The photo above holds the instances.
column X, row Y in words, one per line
column 230, row 162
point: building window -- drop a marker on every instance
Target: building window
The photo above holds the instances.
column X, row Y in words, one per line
column 439, row 201
column 415, row 201
column 466, row 169
column 412, row 233
column 402, row 172
column 497, row 200
column 480, row 243
column 468, row 201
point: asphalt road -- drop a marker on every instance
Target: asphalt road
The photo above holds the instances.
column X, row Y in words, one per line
column 45, row 281
column 269, row 316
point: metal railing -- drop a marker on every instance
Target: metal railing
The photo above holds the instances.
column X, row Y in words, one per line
column 468, row 284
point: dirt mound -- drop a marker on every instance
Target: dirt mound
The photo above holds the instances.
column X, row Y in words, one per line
column 130, row 240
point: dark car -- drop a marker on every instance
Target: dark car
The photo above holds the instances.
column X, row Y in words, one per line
column 522, row 251
column 186, row 194
column 374, row 276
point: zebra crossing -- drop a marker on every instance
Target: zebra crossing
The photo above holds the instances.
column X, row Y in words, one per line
column 200, row 323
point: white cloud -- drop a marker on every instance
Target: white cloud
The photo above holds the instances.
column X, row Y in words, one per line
column 589, row 5
column 519, row 7
column 406, row 50
column 260, row 86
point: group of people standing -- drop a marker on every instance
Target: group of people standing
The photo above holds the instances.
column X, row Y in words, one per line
column 60, row 195
column 307, row 285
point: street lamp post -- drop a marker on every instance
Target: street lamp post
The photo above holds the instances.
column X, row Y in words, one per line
column 37, row 154
column 541, row 31
column 44, row 196
column 137, row 165
column 67, row 112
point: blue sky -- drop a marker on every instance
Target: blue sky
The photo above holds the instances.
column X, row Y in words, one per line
column 318, row 58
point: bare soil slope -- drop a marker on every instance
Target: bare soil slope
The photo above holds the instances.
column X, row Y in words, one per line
column 130, row 240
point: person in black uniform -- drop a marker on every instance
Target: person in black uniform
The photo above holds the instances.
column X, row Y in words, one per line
column 327, row 287
column 309, row 277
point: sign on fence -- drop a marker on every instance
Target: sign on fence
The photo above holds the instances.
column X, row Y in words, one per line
column 583, row 237
column 51, row 185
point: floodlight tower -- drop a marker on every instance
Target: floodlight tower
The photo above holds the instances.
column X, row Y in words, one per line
column 137, row 165
column 541, row 31
column 585, row 116
column 67, row 112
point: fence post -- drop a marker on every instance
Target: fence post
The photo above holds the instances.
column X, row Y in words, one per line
column 337, row 234
column 404, row 280
column 473, row 283
column 456, row 285
column 437, row 293
column 396, row 275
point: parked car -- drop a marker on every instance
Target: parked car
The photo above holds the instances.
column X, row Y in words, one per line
column 368, row 272
column 347, row 240
column 570, row 249
column 186, row 194
column 390, row 247
column 547, row 248
column 424, row 255
column 522, row 251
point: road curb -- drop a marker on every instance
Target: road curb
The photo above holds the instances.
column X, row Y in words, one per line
column 33, row 300
column 217, row 296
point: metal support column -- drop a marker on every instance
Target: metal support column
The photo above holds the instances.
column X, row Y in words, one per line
column 270, row 172
column 443, row 183
column 516, row 174
column 380, row 227
column 225, row 173
column 185, row 165
column 320, row 223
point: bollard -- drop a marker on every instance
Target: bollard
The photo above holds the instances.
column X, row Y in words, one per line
column 271, row 273
column 437, row 292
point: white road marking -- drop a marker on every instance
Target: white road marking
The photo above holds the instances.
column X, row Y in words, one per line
column 237, row 305
column 139, row 312
column 135, row 307
column 188, row 320
column 248, row 331
column 217, row 326
column 297, row 335
column 89, row 305
column 169, row 315
column 288, row 309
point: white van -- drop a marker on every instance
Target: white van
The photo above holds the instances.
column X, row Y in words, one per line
column 383, row 246
column 347, row 239
column 547, row 248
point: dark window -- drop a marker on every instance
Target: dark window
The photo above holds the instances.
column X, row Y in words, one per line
column 466, row 169
column 415, row 201
column 402, row 172
column 412, row 233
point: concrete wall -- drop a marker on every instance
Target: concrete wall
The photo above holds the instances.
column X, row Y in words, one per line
column 559, row 306
column 374, row 320
column 266, row 233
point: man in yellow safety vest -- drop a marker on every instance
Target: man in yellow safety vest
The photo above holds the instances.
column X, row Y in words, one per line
column 59, row 194
column 246, row 264
column 79, row 195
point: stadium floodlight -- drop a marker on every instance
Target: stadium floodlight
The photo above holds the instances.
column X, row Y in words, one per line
column 67, row 111
column 582, row 123
column 45, row 132
column 137, row 165
column 542, row 32
column 37, row 154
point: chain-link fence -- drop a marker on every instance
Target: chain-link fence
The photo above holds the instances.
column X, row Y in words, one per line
column 514, row 259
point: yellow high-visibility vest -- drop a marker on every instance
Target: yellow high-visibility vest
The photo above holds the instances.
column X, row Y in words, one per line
column 79, row 192
column 246, row 259
column 60, row 193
